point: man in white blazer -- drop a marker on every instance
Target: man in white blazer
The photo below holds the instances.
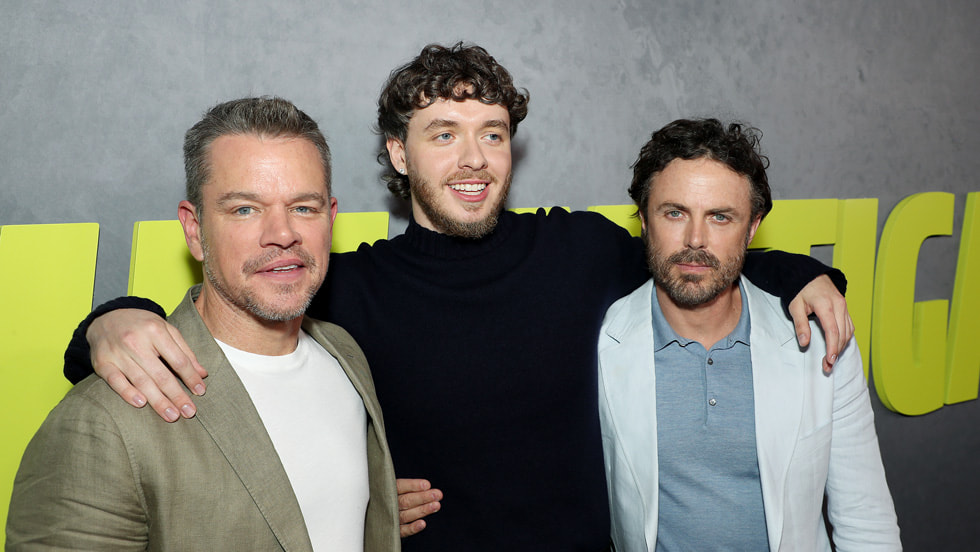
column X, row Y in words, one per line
column 719, row 432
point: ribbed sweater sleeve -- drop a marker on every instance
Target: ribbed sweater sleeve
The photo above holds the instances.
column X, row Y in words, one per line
column 785, row 274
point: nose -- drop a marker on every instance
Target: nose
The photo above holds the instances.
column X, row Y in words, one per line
column 279, row 230
column 471, row 155
column 695, row 236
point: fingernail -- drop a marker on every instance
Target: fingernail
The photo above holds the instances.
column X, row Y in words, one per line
column 199, row 389
column 139, row 401
column 170, row 415
column 832, row 359
column 188, row 410
column 799, row 337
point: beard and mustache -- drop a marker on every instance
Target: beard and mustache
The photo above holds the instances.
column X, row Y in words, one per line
column 428, row 197
column 693, row 290
column 247, row 299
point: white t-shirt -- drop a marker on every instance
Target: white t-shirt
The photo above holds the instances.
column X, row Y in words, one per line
column 318, row 424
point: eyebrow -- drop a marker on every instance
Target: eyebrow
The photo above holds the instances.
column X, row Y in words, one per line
column 441, row 123
column 249, row 196
column 449, row 123
column 671, row 206
column 496, row 123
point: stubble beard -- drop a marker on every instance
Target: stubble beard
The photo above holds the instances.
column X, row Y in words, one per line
column 245, row 299
column 693, row 290
column 427, row 198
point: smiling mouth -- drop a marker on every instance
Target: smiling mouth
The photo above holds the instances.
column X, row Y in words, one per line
column 280, row 262
column 469, row 188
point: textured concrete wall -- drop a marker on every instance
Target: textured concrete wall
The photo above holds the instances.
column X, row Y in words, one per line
column 856, row 99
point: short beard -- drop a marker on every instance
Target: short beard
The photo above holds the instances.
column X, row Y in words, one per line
column 427, row 199
column 244, row 298
column 692, row 290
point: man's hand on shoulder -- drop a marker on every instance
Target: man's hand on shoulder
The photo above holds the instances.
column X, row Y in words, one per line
column 821, row 298
column 134, row 350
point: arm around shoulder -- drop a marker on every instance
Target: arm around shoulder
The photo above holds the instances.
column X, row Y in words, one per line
column 78, row 361
column 786, row 274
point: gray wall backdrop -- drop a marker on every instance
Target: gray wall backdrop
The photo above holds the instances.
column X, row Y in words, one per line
column 856, row 99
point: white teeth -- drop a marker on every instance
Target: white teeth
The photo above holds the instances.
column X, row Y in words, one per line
column 284, row 268
column 469, row 188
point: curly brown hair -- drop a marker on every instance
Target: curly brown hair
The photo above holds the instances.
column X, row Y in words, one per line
column 461, row 72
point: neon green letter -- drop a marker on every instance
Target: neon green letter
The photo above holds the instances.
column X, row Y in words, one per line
column 908, row 339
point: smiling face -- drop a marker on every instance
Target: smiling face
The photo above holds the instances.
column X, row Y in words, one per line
column 264, row 229
column 697, row 226
column 457, row 156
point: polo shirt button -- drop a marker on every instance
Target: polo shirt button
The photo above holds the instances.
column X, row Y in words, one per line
column 712, row 402
column 710, row 362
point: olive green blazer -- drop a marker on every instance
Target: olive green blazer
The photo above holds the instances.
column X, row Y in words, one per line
column 102, row 475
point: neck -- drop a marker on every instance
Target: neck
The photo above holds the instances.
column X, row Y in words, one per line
column 243, row 330
column 707, row 323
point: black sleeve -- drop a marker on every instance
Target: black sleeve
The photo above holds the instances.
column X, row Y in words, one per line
column 785, row 274
column 78, row 362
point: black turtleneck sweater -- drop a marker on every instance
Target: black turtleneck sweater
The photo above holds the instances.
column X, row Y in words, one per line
column 484, row 357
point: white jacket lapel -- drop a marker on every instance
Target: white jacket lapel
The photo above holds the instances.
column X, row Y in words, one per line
column 627, row 379
column 777, row 385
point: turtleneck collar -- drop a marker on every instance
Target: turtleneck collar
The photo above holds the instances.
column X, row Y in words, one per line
column 449, row 247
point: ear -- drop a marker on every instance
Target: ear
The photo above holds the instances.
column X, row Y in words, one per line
column 396, row 154
column 333, row 210
column 753, row 227
column 643, row 220
column 187, row 214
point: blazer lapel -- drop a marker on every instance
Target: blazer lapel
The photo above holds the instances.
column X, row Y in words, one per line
column 381, row 521
column 777, row 385
column 628, row 378
column 228, row 415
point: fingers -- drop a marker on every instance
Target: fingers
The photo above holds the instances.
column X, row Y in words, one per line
column 411, row 485
column 821, row 298
column 801, row 320
column 412, row 528
column 162, row 391
column 183, row 361
column 416, row 499
column 118, row 382
column 127, row 346
column 832, row 337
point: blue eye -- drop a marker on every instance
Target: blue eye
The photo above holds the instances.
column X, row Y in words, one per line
column 243, row 211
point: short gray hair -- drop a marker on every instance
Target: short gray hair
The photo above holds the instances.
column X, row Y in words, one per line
column 263, row 116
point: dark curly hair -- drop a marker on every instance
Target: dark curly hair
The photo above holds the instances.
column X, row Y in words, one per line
column 737, row 146
column 462, row 72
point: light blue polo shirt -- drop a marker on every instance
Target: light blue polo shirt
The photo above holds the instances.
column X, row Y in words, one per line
column 710, row 489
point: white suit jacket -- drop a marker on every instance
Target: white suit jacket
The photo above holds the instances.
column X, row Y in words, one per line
column 814, row 433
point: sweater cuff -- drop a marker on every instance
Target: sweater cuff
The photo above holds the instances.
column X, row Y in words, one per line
column 78, row 361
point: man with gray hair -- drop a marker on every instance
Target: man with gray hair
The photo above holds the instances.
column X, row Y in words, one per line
column 257, row 460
